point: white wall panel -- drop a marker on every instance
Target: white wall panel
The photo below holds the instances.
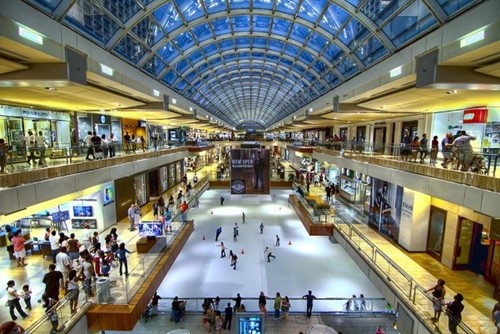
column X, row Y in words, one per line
column 9, row 201
column 55, row 188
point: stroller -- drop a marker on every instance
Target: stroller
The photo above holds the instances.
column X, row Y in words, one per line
column 477, row 165
column 147, row 313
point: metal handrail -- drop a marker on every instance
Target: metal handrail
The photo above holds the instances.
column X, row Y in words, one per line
column 413, row 284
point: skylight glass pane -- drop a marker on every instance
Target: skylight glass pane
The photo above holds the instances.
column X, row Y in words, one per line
column 148, row 32
column 371, row 51
column 46, row 5
column 453, row 6
column 276, row 45
column 331, row 79
column 353, row 33
column 170, row 78
column 121, row 9
column 214, row 6
column 347, row 67
column 154, row 66
column 259, row 42
column 241, row 23
column 195, row 57
column 238, row 4
column 287, row 6
column 410, row 23
column 311, row 9
column 168, row 52
column 281, row 27
column 184, row 40
column 210, row 50
column 221, row 26
column 190, row 9
column 202, row 32
column 181, row 66
column 292, row 50
column 263, row 4
column 191, row 76
column 261, row 23
column 227, row 44
column 130, row 48
column 91, row 21
column 242, row 43
column 333, row 19
column 319, row 66
column 286, row 62
column 299, row 33
column 306, row 57
column 378, row 11
column 181, row 85
column 317, row 42
column 168, row 17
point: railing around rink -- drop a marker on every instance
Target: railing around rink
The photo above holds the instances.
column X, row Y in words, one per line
column 328, row 305
column 396, row 277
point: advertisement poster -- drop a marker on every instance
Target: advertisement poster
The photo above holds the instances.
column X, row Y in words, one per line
column 250, row 172
column 385, row 208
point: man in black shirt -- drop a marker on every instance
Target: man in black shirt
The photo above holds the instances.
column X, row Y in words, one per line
column 228, row 317
column 176, row 309
column 237, row 302
column 310, row 297
column 51, row 280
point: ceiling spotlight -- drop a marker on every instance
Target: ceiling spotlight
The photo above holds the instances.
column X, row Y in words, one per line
column 358, row 113
column 452, row 92
column 51, row 89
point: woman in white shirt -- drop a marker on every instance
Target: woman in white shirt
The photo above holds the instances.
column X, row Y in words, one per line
column 13, row 301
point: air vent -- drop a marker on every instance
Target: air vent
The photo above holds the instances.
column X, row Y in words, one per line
column 13, row 56
column 486, row 60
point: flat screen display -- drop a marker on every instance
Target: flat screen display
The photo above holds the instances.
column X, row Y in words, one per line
column 250, row 325
column 83, row 211
column 59, row 216
column 108, row 196
column 150, row 229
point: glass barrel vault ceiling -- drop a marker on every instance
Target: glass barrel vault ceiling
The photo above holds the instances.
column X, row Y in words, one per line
column 252, row 62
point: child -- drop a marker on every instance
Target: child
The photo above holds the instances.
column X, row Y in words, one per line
column 105, row 266
column 27, row 296
column 54, row 320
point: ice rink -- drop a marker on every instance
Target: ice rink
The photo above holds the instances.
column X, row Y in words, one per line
column 308, row 262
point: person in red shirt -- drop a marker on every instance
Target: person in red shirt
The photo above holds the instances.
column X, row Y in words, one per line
column 184, row 207
column 19, row 250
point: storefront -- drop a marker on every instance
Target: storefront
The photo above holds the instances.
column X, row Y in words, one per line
column 15, row 122
column 100, row 123
column 481, row 122
column 385, row 207
column 352, row 188
column 94, row 206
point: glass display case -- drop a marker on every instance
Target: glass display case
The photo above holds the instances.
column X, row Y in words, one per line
column 140, row 189
column 351, row 189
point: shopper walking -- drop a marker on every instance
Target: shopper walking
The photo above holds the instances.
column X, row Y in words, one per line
column 52, row 283
column 13, row 298
column 310, row 298
column 131, row 216
column 454, row 311
column 121, row 253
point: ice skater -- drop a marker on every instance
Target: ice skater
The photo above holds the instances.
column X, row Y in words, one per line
column 261, row 228
column 217, row 233
column 277, row 240
column 222, row 250
column 235, row 232
column 222, row 201
column 243, row 218
column 269, row 254
column 234, row 260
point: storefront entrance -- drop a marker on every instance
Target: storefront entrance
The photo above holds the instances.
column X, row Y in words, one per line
column 471, row 252
column 437, row 225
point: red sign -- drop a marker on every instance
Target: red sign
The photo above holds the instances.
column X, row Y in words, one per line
column 476, row 115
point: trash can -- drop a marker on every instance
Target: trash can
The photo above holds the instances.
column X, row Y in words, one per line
column 103, row 291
